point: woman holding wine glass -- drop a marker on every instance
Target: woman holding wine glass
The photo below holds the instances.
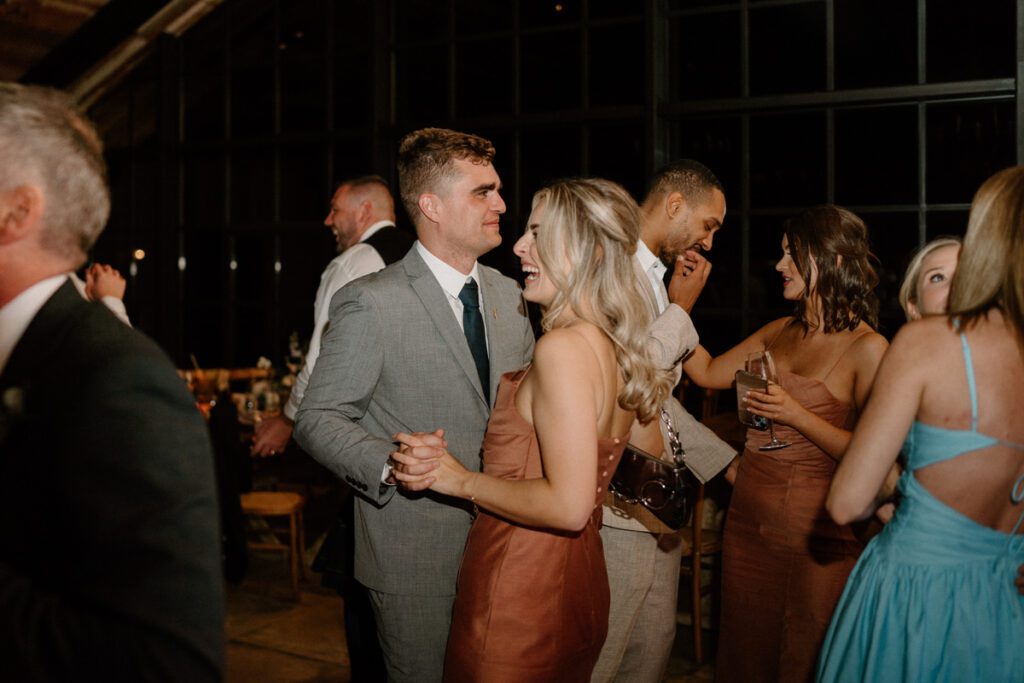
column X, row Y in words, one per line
column 784, row 561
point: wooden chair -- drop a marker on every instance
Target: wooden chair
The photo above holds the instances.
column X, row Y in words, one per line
column 701, row 545
column 281, row 504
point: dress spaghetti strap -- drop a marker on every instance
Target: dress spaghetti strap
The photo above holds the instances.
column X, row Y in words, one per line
column 843, row 353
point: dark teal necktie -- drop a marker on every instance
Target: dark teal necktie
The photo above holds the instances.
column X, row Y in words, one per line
column 473, row 326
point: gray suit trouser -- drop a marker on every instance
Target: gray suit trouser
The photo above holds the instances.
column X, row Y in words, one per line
column 644, row 580
column 413, row 634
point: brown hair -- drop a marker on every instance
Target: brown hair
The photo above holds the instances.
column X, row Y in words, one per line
column 991, row 270
column 835, row 241
column 425, row 159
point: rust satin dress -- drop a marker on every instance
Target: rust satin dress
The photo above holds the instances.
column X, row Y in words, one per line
column 784, row 561
column 532, row 604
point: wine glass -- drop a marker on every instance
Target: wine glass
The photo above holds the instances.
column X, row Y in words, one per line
column 762, row 364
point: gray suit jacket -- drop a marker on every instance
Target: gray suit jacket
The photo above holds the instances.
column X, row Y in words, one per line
column 395, row 359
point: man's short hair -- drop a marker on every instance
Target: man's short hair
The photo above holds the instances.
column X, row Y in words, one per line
column 372, row 187
column 46, row 143
column 690, row 178
column 425, row 161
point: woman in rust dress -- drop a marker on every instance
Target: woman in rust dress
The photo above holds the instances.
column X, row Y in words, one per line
column 784, row 562
column 532, row 601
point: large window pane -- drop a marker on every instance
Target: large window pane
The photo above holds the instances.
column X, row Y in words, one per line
column 943, row 223
column 252, row 50
column 617, row 64
column 252, row 185
column 485, row 70
column 893, row 238
column 420, row 19
column 715, row 142
column 204, row 189
column 302, row 182
column 551, row 71
column 549, row 155
column 303, row 45
column 875, row 43
column 967, row 142
column 876, row 156
column 617, row 153
column 765, row 252
column 968, row 40
column 473, row 17
column 787, row 159
column 535, row 13
column 353, row 60
column 422, row 83
column 605, row 9
column 706, row 55
column 254, row 266
column 203, row 68
column 787, row 48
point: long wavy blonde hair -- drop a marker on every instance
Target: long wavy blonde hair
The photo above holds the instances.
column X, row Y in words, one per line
column 595, row 224
column 991, row 269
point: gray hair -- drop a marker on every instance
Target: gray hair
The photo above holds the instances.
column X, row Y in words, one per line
column 46, row 143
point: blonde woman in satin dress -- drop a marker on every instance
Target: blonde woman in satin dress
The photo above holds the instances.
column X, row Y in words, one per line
column 532, row 601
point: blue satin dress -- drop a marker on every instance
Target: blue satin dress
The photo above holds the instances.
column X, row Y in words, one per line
column 932, row 598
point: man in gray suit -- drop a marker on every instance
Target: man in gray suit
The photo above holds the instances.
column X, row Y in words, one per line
column 419, row 344
column 684, row 207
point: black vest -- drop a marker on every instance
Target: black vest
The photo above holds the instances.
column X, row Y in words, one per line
column 391, row 243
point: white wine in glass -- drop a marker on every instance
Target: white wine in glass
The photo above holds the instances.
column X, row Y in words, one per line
column 762, row 364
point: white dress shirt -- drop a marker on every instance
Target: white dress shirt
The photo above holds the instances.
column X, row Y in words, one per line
column 356, row 261
column 16, row 315
column 655, row 271
column 452, row 282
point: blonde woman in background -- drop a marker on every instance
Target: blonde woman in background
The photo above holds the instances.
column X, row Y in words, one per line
column 925, row 289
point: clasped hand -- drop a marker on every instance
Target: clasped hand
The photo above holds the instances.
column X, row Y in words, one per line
column 422, row 462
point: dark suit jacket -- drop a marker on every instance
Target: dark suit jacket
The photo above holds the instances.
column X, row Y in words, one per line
column 109, row 536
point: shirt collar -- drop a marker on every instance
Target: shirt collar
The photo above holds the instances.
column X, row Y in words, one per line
column 376, row 227
column 451, row 280
column 648, row 260
column 19, row 312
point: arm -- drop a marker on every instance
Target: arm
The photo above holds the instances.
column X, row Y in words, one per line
column 328, row 424
column 778, row 405
column 273, row 434
column 879, row 435
column 720, row 372
column 105, row 284
column 565, row 394
column 670, row 337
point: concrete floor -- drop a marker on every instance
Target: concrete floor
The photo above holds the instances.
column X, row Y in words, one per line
column 271, row 638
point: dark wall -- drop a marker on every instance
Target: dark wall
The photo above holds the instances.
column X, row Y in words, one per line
column 225, row 145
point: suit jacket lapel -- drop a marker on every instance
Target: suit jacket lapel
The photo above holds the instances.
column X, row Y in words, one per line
column 36, row 346
column 435, row 301
column 45, row 331
column 645, row 285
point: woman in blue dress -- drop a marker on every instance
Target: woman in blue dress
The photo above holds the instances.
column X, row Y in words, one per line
column 932, row 598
